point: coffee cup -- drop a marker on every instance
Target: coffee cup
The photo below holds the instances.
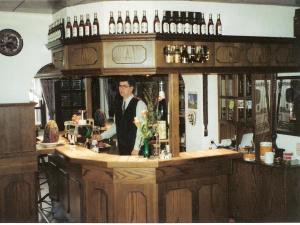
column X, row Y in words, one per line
column 269, row 157
column 264, row 148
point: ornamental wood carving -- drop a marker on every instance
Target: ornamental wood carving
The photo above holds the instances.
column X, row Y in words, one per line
column 228, row 54
column 259, row 54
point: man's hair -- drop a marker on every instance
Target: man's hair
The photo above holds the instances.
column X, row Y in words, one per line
column 129, row 79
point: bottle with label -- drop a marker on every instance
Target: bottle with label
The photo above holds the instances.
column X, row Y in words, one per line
column 195, row 24
column 136, row 23
column 203, row 25
column 87, row 26
column 127, row 23
column 144, row 23
column 210, row 25
column 120, row 27
column 156, row 23
column 184, row 54
column 112, row 24
column 187, row 25
column 165, row 23
column 81, row 27
column 218, row 26
column 179, row 23
column 75, row 28
column 68, row 30
column 198, row 21
column 172, row 24
column 95, row 25
column 162, row 113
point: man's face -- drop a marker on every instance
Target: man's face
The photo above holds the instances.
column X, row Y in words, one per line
column 124, row 89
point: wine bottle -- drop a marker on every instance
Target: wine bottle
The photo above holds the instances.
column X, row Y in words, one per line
column 195, row 25
column 95, row 25
column 112, row 24
column 203, row 25
column 120, row 27
column 179, row 23
column 68, row 30
column 218, row 26
column 136, row 23
column 81, row 27
column 210, row 25
column 187, row 25
column 144, row 23
column 165, row 23
column 87, row 26
column 75, row 28
column 162, row 113
column 127, row 23
column 172, row 24
column 156, row 23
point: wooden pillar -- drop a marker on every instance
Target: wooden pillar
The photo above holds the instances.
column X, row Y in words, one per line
column 88, row 97
column 174, row 139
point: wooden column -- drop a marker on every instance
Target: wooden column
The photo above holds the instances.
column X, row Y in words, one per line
column 174, row 139
column 88, row 97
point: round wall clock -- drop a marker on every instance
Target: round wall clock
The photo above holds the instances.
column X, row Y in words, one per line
column 11, row 42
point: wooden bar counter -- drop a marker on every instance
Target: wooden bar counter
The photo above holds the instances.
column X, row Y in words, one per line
column 99, row 187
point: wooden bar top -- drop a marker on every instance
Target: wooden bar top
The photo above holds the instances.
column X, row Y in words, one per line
column 81, row 155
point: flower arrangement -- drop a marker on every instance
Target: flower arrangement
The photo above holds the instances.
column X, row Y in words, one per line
column 146, row 128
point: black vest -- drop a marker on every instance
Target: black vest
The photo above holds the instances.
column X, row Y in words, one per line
column 126, row 129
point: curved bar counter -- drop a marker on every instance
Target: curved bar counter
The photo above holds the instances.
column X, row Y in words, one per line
column 99, row 187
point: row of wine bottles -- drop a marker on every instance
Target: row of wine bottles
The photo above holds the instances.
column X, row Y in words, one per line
column 173, row 22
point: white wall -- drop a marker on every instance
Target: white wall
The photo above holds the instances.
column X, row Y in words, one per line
column 237, row 19
column 18, row 71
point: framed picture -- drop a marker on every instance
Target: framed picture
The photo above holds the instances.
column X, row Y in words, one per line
column 192, row 100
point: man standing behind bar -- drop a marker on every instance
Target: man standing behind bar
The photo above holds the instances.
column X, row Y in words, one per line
column 129, row 137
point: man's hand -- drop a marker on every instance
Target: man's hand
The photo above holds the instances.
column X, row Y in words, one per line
column 135, row 152
column 97, row 137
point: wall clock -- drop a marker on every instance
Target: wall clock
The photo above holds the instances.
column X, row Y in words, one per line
column 11, row 42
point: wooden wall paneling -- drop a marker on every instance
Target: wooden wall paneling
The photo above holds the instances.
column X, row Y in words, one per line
column 229, row 54
column 292, row 195
column 194, row 200
column 174, row 137
column 58, row 58
column 258, row 54
column 18, row 198
column 213, row 201
column 17, row 129
column 134, row 175
column 76, row 200
column 135, row 203
column 84, row 56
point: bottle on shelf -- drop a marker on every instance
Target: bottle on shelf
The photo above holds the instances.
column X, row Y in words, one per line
column 127, row 23
column 248, row 85
column 120, row 27
column 136, row 23
column 203, row 25
column 198, row 21
column 241, row 109
column 172, row 24
column 249, row 109
column 218, row 25
column 210, row 26
column 195, row 24
column 241, row 86
column 156, row 23
column 144, row 23
column 81, row 27
column 95, row 25
column 75, row 28
column 87, row 26
column 179, row 23
column 112, row 24
column 68, row 30
column 184, row 54
column 162, row 113
column 187, row 25
column 165, row 23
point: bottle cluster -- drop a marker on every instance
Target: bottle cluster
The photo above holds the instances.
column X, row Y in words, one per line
column 84, row 28
column 192, row 23
column 56, row 30
column 127, row 27
column 186, row 54
column 59, row 30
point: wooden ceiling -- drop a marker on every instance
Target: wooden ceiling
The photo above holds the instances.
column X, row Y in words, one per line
column 52, row 6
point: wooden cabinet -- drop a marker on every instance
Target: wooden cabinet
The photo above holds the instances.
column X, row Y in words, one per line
column 245, row 106
column 262, row 193
column 18, row 163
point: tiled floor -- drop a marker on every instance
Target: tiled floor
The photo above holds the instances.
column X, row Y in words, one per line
column 49, row 211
